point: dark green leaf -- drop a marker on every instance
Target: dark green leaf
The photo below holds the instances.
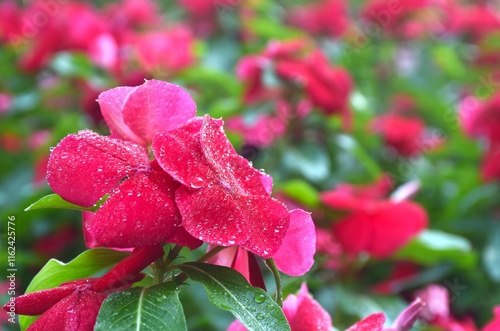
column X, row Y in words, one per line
column 54, row 273
column 143, row 308
column 229, row 290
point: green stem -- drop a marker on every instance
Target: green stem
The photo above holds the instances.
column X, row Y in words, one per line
column 181, row 278
column 158, row 271
column 277, row 278
column 161, row 266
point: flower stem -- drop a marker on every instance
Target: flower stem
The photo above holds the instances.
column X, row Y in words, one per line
column 277, row 278
column 181, row 278
column 161, row 266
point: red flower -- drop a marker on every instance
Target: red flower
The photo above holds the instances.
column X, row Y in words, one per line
column 222, row 199
column 75, row 305
column 374, row 225
column 137, row 113
column 328, row 17
column 404, row 134
column 294, row 257
column 481, row 118
column 325, row 86
column 477, row 20
column 139, row 210
column 165, row 51
column 10, row 16
column 261, row 132
column 74, row 26
column 302, row 312
column 406, row 19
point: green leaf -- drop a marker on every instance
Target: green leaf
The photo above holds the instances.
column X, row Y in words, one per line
column 229, row 290
column 55, row 201
column 143, row 308
column 54, row 273
column 491, row 255
column 449, row 61
column 301, row 191
column 267, row 28
column 73, row 64
column 433, row 246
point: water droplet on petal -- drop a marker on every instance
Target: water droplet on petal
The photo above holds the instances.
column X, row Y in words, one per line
column 197, row 182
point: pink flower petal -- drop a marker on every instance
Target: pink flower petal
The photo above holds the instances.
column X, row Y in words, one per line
column 223, row 200
column 84, row 167
column 139, row 212
column 157, row 106
column 296, row 254
column 233, row 168
column 308, row 313
column 178, row 153
column 374, row 322
column 112, row 103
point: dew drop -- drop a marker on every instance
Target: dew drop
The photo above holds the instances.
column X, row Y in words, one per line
column 259, row 298
column 262, row 171
column 260, row 316
column 197, row 182
column 52, row 149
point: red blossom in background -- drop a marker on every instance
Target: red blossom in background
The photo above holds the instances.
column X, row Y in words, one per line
column 325, row 86
column 403, row 130
column 482, row 119
column 316, row 18
column 164, row 51
column 222, row 199
column 137, row 113
column 405, row 19
column 437, row 310
column 475, row 19
column 374, row 225
column 74, row 26
column 404, row 134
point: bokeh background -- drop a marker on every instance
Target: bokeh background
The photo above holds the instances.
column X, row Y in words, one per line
column 320, row 94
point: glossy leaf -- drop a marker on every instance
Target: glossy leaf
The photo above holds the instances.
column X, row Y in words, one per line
column 229, row 290
column 143, row 308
